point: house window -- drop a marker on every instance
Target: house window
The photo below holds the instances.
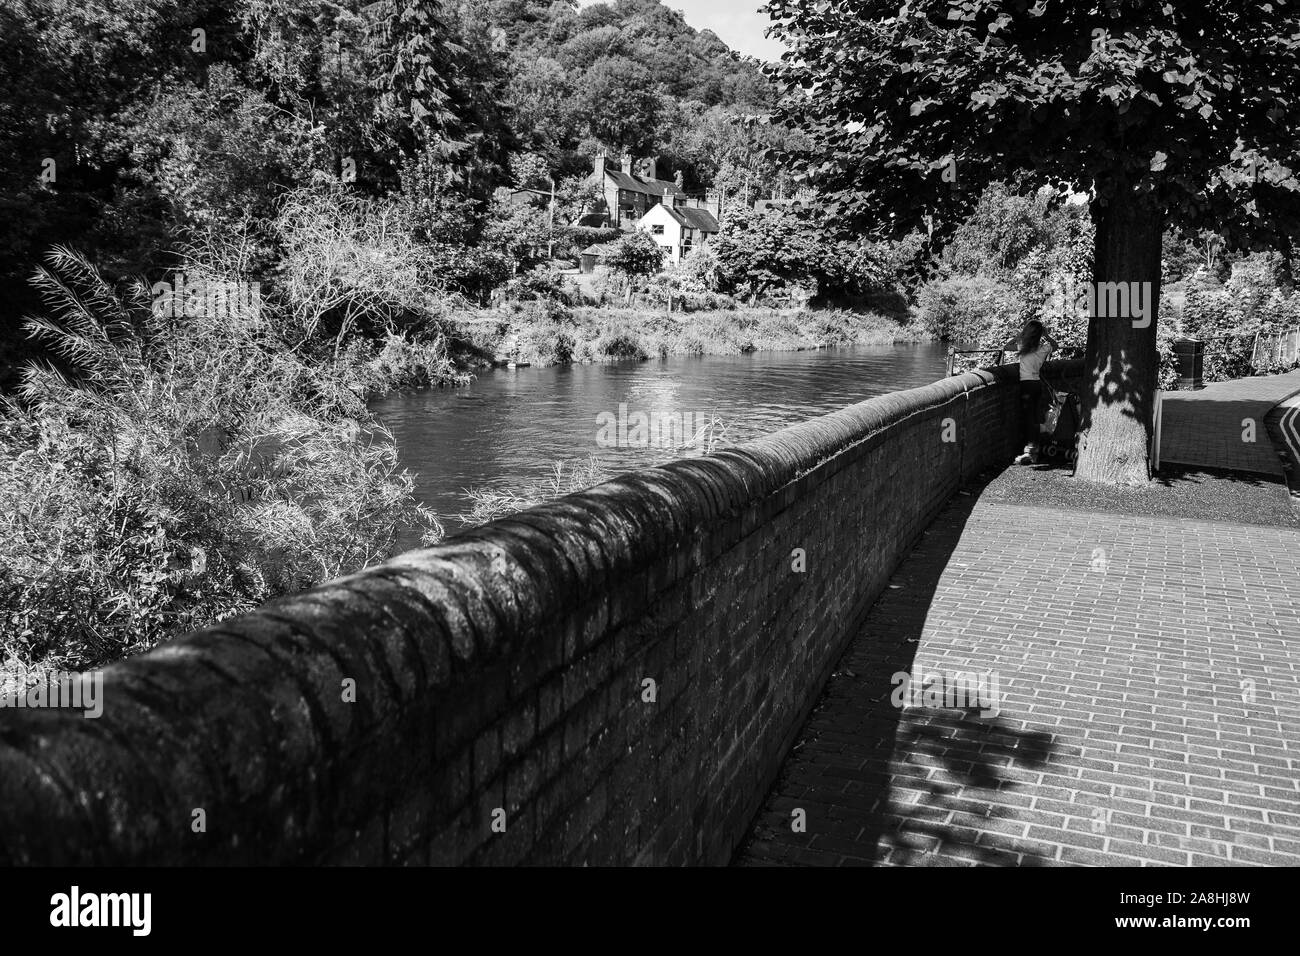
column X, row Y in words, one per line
column 657, row 230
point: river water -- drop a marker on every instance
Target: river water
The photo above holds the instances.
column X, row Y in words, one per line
column 511, row 426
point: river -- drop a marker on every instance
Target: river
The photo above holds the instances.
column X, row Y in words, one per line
column 510, row 426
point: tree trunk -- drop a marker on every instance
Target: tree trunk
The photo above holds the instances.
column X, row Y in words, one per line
column 1288, row 265
column 1122, row 357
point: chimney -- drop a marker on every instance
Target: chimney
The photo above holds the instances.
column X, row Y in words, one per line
column 598, row 164
column 712, row 203
column 627, row 164
column 651, row 168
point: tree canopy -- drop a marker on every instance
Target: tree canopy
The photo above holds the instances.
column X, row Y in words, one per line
column 1192, row 105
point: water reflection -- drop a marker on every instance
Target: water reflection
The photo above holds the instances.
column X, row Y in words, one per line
column 510, row 426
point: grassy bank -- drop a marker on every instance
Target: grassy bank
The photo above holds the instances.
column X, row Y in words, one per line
column 544, row 334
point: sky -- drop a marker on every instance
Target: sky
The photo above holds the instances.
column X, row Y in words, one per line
column 736, row 22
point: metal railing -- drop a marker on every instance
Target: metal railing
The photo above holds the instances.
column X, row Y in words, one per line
column 1277, row 349
column 953, row 353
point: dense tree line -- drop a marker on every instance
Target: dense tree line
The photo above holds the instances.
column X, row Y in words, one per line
column 129, row 128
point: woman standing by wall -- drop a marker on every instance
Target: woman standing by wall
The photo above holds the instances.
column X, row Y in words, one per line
column 1034, row 346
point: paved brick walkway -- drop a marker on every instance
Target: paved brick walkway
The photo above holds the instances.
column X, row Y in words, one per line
column 1204, row 427
column 1149, row 677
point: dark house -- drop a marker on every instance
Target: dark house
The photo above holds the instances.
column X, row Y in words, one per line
column 627, row 195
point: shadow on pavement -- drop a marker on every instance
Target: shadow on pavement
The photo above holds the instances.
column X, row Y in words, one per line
column 884, row 784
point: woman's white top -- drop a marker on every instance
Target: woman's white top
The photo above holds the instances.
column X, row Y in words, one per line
column 1031, row 363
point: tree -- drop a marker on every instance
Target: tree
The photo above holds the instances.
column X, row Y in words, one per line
column 529, row 171
column 517, row 231
column 635, row 256
column 621, row 105
column 778, row 246
column 440, row 85
column 758, row 250
column 413, row 78
column 70, row 74
column 1162, row 113
column 738, row 154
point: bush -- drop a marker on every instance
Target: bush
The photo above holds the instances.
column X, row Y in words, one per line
column 587, row 235
column 540, row 282
column 683, row 288
column 1167, row 371
column 1228, row 317
column 398, row 362
column 963, row 309
column 191, row 470
column 571, row 240
column 636, row 255
column 1017, row 257
column 546, row 339
column 347, row 263
column 620, row 345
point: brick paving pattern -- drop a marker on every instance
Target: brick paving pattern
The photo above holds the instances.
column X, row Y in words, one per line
column 1204, row 427
column 1149, row 707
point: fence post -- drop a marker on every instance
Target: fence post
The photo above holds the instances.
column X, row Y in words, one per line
column 1155, row 436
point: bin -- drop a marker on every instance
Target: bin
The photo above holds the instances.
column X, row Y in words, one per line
column 1191, row 362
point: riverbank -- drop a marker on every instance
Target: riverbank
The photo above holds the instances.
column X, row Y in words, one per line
column 544, row 334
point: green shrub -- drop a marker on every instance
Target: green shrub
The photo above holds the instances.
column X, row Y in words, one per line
column 1167, row 372
column 962, row 309
column 540, row 282
column 189, row 470
column 1228, row 317
column 546, row 341
column 620, row 345
column 1016, row 257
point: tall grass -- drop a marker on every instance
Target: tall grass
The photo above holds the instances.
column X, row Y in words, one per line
column 568, row 477
column 176, row 471
column 547, row 334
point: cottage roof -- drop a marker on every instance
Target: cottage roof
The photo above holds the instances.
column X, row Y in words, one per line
column 644, row 184
column 700, row 219
column 692, row 218
column 600, row 248
column 520, row 195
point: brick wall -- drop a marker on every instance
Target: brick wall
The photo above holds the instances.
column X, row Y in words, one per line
column 501, row 677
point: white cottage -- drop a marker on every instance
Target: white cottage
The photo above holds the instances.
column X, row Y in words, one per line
column 679, row 224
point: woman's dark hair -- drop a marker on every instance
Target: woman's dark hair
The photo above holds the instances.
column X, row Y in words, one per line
column 1030, row 336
